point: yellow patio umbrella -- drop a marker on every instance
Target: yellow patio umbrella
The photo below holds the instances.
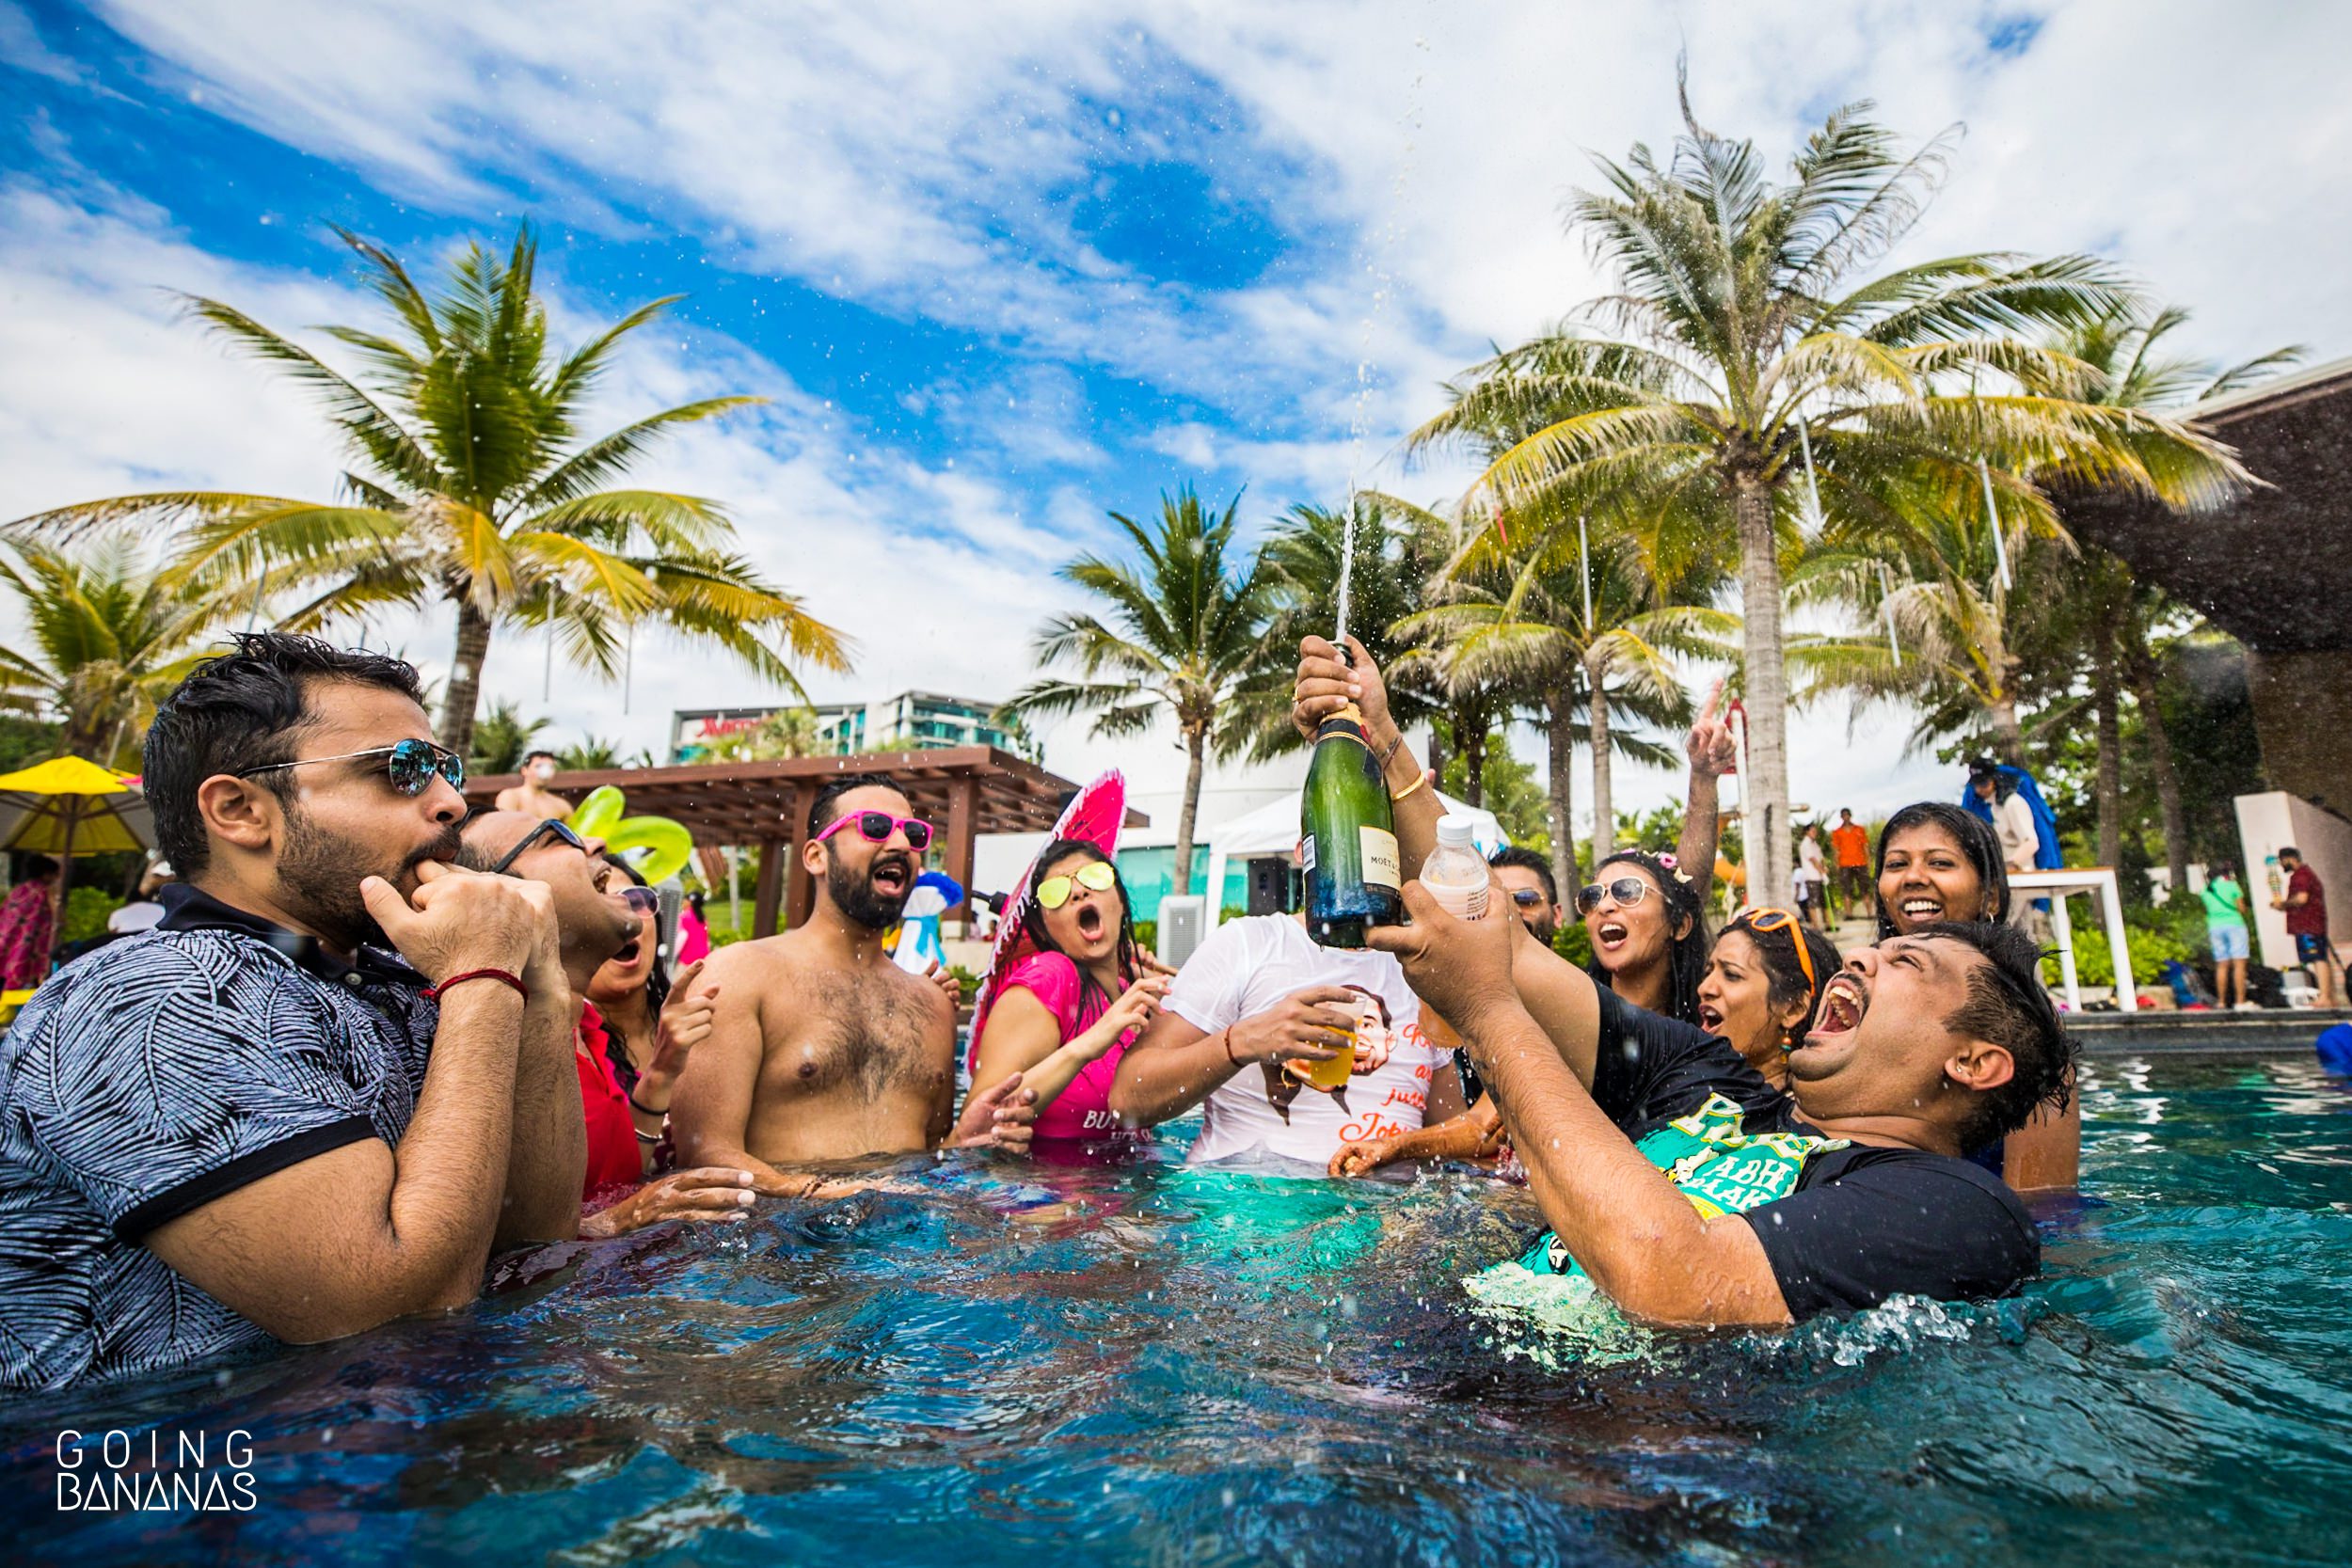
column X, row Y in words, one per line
column 70, row 806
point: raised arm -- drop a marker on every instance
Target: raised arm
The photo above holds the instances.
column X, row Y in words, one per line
column 364, row 1233
column 1713, row 752
column 1324, row 685
column 1643, row 1243
column 1555, row 992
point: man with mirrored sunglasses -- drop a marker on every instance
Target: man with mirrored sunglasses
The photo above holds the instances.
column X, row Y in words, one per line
column 325, row 1085
column 821, row 1048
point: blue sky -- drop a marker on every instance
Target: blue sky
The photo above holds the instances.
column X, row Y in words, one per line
column 1002, row 273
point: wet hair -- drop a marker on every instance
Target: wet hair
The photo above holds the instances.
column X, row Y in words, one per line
column 241, row 710
column 1686, row 955
column 2007, row 1007
column 821, row 812
column 1033, row 920
column 1977, row 842
column 530, row 757
column 1783, row 975
column 1527, row 860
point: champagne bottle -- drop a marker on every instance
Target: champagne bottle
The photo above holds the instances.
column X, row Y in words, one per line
column 1352, row 862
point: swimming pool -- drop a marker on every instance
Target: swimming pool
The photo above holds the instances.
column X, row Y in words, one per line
column 1159, row 1365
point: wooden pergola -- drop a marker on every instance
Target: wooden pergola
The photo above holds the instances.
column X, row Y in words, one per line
column 963, row 791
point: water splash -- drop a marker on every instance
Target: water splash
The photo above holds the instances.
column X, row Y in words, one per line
column 1383, row 287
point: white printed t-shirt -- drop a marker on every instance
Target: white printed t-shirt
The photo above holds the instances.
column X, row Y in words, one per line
column 1245, row 968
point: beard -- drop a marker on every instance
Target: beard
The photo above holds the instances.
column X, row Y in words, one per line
column 854, row 894
column 319, row 876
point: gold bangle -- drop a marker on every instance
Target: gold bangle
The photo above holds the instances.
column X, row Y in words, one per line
column 1405, row 794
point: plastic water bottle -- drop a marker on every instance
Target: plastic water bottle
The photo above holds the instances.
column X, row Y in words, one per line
column 1456, row 872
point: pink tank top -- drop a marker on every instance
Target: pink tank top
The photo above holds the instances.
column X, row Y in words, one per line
column 1084, row 1109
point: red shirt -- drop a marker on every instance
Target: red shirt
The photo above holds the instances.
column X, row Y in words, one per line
column 612, row 1162
column 2306, row 920
column 1853, row 843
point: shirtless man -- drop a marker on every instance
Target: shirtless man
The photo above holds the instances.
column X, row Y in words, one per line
column 532, row 798
column 821, row 1048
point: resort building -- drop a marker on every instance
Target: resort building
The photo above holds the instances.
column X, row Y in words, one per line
column 910, row 721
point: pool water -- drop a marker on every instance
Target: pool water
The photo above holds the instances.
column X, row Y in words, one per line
column 1159, row 1365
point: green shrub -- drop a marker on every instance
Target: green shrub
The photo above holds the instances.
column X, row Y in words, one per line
column 1573, row 942
column 85, row 913
column 1148, row 935
column 2157, row 933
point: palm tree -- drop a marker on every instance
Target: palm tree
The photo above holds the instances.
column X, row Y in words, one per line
column 1397, row 552
column 503, row 739
column 591, row 752
column 1958, row 637
column 468, row 487
column 107, row 640
column 1748, row 334
column 2121, row 616
column 1586, row 635
column 1183, row 632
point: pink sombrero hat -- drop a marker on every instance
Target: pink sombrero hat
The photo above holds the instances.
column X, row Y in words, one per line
column 1095, row 813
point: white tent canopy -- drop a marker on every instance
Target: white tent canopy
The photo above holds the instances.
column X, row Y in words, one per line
column 1272, row 829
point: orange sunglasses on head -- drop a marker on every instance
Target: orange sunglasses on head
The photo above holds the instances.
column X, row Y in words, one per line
column 1775, row 920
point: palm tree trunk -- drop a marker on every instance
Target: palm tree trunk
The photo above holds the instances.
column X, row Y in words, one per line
column 2104, row 702
column 1560, row 739
column 2008, row 732
column 1765, row 790
column 1196, row 746
column 2142, row 671
column 1604, row 798
column 464, row 679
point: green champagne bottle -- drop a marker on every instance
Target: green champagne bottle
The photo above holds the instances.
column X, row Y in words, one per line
column 1352, row 862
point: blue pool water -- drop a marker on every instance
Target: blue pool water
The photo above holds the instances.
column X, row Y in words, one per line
column 1155, row 1365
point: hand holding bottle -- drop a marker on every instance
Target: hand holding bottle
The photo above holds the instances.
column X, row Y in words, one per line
column 1326, row 683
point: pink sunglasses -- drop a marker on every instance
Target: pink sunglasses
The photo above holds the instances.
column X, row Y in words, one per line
column 877, row 826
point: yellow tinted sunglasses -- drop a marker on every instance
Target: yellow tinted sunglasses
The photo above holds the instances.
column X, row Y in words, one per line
column 1052, row 892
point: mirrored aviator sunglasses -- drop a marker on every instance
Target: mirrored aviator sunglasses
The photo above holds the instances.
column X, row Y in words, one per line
column 413, row 763
column 1052, row 892
column 1628, row 891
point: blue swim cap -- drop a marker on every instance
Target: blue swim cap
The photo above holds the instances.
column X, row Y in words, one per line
column 2335, row 1049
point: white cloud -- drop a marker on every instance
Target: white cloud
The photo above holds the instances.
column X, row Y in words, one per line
column 107, row 390
column 909, row 157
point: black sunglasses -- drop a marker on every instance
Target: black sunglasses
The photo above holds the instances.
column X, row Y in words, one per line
column 553, row 828
column 1628, row 891
column 409, row 764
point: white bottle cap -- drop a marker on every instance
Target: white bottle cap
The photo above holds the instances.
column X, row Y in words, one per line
column 1454, row 832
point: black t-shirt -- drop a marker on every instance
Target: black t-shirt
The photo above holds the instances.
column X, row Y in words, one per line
column 1862, row 1224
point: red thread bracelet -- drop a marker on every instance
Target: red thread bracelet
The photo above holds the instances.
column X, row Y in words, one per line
column 514, row 980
